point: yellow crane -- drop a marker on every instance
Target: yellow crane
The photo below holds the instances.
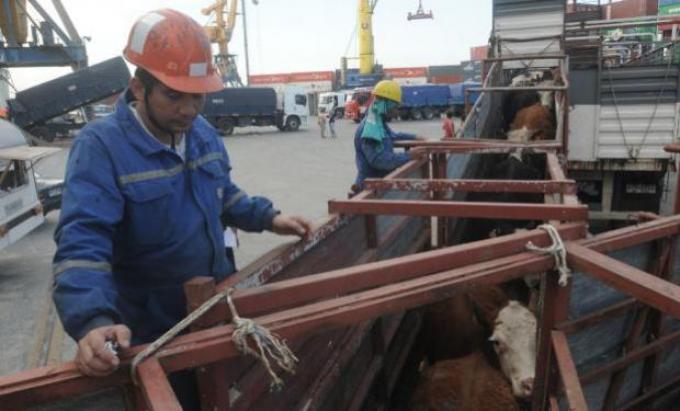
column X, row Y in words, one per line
column 220, row 32
column 365, row 25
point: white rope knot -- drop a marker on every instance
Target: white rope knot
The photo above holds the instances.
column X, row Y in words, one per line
column 269, row 345
column 557, row 250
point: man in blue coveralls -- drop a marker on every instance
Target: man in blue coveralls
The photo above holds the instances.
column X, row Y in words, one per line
column 374, row 139
column 146, row 192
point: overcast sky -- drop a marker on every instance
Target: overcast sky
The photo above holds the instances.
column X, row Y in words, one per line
column 295, row 35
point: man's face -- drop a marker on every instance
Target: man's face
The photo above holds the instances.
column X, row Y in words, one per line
column 173, row 110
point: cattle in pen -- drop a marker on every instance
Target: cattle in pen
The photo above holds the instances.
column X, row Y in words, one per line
column 461, row 325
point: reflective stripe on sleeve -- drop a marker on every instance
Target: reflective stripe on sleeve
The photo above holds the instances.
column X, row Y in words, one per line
column 62, row 266
column 233, row 200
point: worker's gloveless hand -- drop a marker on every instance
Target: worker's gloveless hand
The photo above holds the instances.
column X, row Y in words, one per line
column 291, row 225
column 93, row 358
column 417, row 152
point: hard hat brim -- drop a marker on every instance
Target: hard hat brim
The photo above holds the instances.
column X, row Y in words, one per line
column 193, row 85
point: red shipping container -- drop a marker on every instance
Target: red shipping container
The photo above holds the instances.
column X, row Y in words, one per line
column 312, row 76
column 631, row 8
column 446, row 79
column 406, row 72
column 479, row 53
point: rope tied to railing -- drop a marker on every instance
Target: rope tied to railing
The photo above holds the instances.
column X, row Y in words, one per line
column 557, row 250
column 269, row 345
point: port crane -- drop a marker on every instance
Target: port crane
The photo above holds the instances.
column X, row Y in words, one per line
column 220, row 31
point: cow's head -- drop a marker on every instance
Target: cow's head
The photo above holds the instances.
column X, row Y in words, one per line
column 514, row 339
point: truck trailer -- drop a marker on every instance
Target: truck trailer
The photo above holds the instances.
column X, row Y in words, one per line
column 257, row 106
column 37, row 109
column 424, row 101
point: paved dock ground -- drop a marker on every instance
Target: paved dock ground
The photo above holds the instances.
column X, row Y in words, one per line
column 298, row 171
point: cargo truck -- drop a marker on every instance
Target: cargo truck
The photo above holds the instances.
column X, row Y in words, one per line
column 458, row 92
column 424, row 101
column 257, row 106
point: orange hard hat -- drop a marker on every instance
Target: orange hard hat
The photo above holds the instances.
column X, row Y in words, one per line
column 174, row 49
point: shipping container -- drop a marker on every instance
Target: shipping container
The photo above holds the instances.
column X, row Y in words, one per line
column 449, row 70
column 446, row 79
column 479, row 53
column 631, row 8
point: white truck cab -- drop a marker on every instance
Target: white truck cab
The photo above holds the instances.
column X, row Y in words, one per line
column 294, row 105
column 326, row 101
column 20, row 208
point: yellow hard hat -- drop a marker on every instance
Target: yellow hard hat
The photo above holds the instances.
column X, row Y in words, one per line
column 388, row 89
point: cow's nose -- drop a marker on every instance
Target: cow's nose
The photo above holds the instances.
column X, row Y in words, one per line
column 528, row 386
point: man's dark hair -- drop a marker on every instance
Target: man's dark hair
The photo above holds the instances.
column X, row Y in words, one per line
column 147, row 79
column 449, row 113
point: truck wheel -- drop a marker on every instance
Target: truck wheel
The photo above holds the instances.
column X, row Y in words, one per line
column 416, row 114
column 43, row 133
column 404, row 115
column 428, row 113
column 292, row 123
column 226, row 125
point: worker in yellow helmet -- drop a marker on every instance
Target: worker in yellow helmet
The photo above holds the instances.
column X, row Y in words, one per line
column 373, row 141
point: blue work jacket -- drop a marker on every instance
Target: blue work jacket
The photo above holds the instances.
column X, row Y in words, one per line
column 374, row 160
column 137, row 221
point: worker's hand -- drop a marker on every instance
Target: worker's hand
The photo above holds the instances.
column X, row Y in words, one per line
column 291, row 225
column 417, row 152
column 93, row 358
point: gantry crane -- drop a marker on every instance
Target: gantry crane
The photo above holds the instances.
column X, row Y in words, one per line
column 220, row 32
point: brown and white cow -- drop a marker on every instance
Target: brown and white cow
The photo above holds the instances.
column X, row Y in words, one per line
column 460, row 326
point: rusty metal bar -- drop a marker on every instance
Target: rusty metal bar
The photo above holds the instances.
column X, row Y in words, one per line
column 556, row 173
column 45, row 384
column 508, row 88
column 478, row 143
column 630, row 358
column 665, row 270
column 568, row 374
column 461, row 209
column 278, row 259
column 479, row 186
column 675, row 149
column 298, row 291
column 439, row 172
column 546, row 322
column 210, row 378
column 515, row 57
column 650, row 290
column 630, row 236
column 156, row 388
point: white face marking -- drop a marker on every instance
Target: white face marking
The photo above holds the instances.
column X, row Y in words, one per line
column 514, row 339
column 521, row 135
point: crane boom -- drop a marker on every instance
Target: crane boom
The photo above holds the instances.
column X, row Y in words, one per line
column 221, row 32
column 366, row 52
